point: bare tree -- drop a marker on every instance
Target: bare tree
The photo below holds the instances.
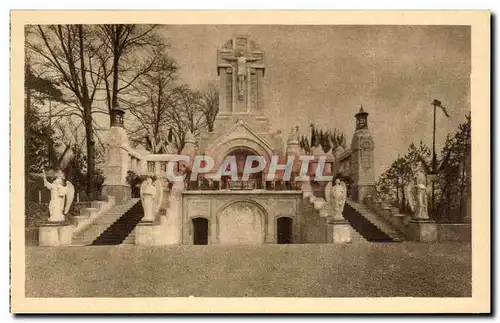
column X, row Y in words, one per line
column 65, row 53
column 187, row 116
column 209, row 103
column 154, row 95
column 126, row 52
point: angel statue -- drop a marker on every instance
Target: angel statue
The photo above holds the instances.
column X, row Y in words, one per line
column 336, row 196
column 61, row 197
column 417, row 195
column 151, row 198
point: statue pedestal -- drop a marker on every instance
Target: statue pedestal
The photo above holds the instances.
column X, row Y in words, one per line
column 422, row 230
column 147, row 233
column 54, row 234
column 338, row 231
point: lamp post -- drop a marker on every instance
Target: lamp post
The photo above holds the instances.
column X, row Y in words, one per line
column 435, row 103
column 434, row 169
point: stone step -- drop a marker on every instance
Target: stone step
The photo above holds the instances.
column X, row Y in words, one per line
column 101, row 224
column 356, row 237
column 377, row 221
column 118, row 231
column 130, row 239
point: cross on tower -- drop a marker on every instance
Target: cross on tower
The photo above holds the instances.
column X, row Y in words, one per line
column 240, row 57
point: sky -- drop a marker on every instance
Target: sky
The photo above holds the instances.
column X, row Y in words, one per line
column 323, row 74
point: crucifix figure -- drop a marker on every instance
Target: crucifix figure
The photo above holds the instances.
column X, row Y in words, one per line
column 241, row 72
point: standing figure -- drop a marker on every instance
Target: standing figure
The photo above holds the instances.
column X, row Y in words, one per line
column 148, row 193
column 339, row 195
column 61, row 196
column 242, row 72
column 417, row 195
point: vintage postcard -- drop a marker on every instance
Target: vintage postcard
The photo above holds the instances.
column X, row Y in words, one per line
column 250, row 162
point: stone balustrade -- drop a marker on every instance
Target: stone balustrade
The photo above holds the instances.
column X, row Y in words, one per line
column 214, row 185
column 89, row 215
column 390, row 213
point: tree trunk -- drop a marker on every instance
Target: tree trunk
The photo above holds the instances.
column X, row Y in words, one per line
column 89, row 134
column 448, row 206
column 462, row 186
column 114, row 95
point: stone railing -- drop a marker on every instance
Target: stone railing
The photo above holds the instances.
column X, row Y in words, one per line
column 388, row 212
column 89, row 216
column 241, row 185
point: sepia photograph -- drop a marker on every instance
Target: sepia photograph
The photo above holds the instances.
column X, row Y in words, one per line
column 251, row 160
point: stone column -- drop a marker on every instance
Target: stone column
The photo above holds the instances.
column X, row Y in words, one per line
column 118, row 158
column 157, row 168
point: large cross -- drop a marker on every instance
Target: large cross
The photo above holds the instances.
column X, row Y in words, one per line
column 241, row 63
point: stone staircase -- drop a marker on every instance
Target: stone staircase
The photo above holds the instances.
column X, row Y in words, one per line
column 101, row 224
column 130, row 239
column 121, row 228
column 356, row 237
column 369, row 225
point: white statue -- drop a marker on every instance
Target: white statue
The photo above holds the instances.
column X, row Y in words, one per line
column 151, row 198
column 61, row 196
column 417, row 195
column 293, row 135
column 307, row 190
column 336, row 196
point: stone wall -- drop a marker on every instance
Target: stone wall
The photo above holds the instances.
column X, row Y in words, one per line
column 454, row 232
column 313, row 227
column 266, row 206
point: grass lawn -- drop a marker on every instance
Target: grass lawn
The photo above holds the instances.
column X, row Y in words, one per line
column 327, row 270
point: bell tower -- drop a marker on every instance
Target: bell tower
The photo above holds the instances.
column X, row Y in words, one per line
column 362, row 161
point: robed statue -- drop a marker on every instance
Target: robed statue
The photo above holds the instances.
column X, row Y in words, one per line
column 336, row 196
column 417, row 195
column 62, row 193
column 151, row 198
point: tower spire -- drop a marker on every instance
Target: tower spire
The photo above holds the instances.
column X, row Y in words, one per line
column 361, row 119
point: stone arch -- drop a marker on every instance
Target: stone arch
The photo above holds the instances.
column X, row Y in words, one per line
column 220, row 151
column 259, row 220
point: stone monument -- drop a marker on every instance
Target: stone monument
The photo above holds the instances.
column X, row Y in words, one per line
column 57, row 231
column 362, row 161
column 420, row 227
column 148, row 229
column 117, row 164
column 338, row 228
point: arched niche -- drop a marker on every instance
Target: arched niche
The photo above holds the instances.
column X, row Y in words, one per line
column 242, row 222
